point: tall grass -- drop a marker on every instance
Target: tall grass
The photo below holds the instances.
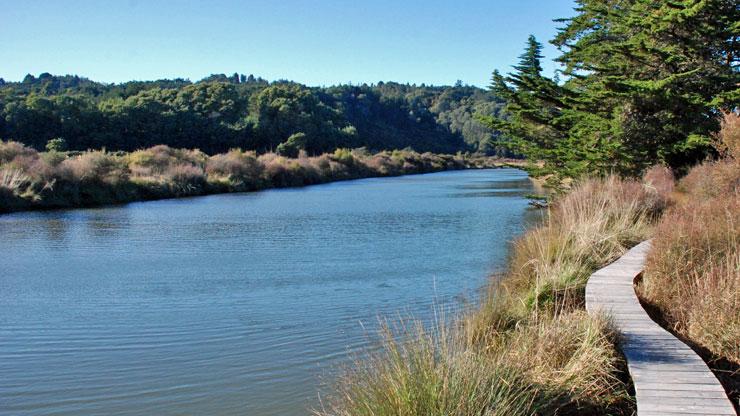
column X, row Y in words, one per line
column 66, row 179
column 529, row 348
column 693, row 271
column 418, row 372
column 590, row 226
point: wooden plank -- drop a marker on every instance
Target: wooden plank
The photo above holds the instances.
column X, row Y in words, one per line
column 669, row 377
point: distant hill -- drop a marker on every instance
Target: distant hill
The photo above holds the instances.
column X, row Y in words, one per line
column 222, row 112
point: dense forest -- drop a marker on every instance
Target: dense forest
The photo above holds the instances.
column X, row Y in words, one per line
column 223, row 112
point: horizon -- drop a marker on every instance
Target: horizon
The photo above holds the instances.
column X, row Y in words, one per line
column 321, row 44
column 256, row 76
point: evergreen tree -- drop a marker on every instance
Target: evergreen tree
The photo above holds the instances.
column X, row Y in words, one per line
column 533, row 121
column 653, row 75
column 645, row 82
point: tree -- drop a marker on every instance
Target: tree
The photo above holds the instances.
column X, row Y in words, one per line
column 534, row 119
column 644, row 83
column 529, row 61
column 56, row 145
column 291, row 147
column 218, row 114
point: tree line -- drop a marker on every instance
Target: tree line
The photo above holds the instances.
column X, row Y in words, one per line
column 223, row 112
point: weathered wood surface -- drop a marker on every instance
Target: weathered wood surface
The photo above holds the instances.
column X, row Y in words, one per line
column 669, row 377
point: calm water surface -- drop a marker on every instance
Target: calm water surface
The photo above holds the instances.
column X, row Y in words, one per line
column 234, row 304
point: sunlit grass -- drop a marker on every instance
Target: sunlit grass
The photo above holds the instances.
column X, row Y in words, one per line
column 60, row 179
column 529, row 348
column 693, row 271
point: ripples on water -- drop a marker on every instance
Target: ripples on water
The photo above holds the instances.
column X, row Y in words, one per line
column 234, row 304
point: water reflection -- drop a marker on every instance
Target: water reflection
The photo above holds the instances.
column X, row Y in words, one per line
column 56, row 230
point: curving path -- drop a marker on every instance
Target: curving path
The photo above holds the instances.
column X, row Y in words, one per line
column 669, row 377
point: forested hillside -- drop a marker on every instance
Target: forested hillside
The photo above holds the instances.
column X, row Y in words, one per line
column 223, row 112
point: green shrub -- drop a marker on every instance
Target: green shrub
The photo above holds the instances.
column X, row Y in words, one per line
column 56, row 145
column 344, row 156
column 295, row 143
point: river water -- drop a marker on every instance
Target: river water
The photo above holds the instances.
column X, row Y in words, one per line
column 237, row 304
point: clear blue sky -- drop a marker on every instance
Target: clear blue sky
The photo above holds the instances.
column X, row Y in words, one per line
column 314, row 42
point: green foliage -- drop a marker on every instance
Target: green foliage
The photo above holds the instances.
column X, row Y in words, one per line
column 291, row 147
column 56, row 145
column 644, row 84
column 224, row 112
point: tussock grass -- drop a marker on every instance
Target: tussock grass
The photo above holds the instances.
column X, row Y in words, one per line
column 560, row 365
column 693, row 271
column 592, row 225
column 417, row 372
column 67, row 179
column 692, row 276
column 14, row 180
column 529, row 348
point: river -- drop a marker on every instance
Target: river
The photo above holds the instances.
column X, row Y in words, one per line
column 235, row 304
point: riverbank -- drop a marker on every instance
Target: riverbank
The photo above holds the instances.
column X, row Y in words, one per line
column 46, row 180
column 530, row 348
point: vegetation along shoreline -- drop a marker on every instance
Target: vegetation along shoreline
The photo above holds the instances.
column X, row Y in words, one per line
column 57, row 179
column 636, row 134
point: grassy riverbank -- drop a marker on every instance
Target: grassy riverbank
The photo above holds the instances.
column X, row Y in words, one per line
column 42, row 180
column 529, row 348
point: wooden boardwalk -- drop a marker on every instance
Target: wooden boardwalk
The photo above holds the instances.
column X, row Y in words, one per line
column 669, row 377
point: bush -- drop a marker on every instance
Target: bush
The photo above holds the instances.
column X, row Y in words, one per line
column 56, row 145
column 54, row 158
column 727, row 140
column 712, row 179
column 95, row 166
column 344, row 156
column 291, row 147
column 185, row 179
column 241, row 169
column 158, row 159
column 10, row 150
